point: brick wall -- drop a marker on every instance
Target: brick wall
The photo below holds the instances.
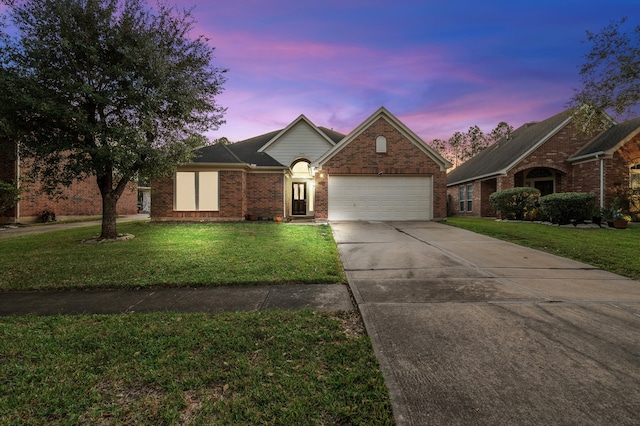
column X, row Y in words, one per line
column 82, row 198
column 359, row 157
column 240, row 193
column 265, row 194
column 232, row 200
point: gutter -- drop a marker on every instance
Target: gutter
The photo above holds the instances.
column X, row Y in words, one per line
column 594, row 155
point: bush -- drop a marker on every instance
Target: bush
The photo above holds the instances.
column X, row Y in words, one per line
column 568, row 207
column 9, row 195
column 515, row 203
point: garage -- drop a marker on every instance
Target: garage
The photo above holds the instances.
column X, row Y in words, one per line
column 380, row 197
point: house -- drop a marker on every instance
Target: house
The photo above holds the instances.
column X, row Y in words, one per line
column 80, row 199
column 379, row 171
column 552, row 156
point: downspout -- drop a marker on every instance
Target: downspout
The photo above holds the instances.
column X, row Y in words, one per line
column 602, row 182
column 284, row 195
column 18, row 180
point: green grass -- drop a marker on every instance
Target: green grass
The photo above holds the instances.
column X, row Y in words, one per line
column 166, row 368
column 172, row 255
column 613, row 250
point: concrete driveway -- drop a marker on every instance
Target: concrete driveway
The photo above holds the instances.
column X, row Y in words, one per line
column 473, row 330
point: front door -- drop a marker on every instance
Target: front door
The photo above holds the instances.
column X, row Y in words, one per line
column 299, row 205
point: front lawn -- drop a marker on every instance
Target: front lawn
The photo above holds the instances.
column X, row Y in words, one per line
column 614, row 250
column 166, row 368
column 172, row 255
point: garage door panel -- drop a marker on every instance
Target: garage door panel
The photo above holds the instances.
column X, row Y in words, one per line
column 380, row 198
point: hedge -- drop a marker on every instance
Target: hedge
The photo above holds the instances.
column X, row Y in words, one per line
column 515, row 203
column 568, row 207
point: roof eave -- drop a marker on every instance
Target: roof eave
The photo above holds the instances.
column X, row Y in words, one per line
column 481, row 177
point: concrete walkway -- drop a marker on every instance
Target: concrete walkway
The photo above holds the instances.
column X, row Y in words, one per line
column 328, row 297
column 472, row 330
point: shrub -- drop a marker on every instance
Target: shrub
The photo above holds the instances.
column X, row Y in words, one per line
column 9, row 195
column 515, row 203
column 568, row 207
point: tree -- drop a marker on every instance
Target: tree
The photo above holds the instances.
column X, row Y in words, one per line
column 502, row 130
column 462, row 146
column 108, row 89
column 610, row 76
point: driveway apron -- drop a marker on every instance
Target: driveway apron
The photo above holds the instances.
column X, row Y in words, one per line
column 472, row 330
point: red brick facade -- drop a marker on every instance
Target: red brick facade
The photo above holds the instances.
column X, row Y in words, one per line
column 359, row 157
column 241, row 193
column 82, row 198
column 569, row 177
column 260, row 191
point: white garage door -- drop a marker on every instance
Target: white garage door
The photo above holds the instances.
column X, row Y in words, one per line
column 380, row 198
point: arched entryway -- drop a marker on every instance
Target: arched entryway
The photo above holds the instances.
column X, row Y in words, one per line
column 541, row 178
column 301, row 189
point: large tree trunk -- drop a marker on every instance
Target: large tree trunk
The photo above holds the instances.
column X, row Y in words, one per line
column 110, row 199
column 109, row 203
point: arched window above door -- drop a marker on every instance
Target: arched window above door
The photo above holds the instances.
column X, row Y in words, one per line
column 301, row 169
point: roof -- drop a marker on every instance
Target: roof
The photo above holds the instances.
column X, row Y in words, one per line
column 248, row 151
column 609, row 140
column 500, row 157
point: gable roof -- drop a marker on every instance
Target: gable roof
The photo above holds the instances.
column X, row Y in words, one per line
column 609, row 141
column 383, row 113
column 249, row 152
column 498, row 158
column 291, row 125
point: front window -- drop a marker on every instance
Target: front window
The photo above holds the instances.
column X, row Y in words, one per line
column 461, row 196
column 634, row 177
column 196, row 191
column 469, row 197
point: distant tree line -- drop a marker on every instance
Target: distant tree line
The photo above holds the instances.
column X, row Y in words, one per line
column 462, row 146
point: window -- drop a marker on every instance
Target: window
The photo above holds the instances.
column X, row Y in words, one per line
column 469, row 197
column 461, row 196
column 196, row 191
column 634, row 177
column 381, row 144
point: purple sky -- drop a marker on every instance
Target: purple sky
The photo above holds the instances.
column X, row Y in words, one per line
column 439, row 66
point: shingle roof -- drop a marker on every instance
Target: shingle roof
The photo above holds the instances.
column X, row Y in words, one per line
column 246, row 151
column 609, row 139
column 505, row 153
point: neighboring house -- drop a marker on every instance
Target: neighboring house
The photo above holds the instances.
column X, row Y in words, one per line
column 80, row 199
column 379, row 171
column 552, row 156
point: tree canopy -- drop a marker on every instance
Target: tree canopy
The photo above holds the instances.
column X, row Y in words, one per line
column 610, row 75
column 462, row 146
column 105, row 89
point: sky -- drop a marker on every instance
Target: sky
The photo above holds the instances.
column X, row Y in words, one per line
column 439, row 66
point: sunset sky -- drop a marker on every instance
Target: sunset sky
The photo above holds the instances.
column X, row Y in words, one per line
column 439, row 66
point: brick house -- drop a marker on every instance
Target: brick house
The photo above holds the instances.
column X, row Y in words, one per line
column 379, row 171
column 552, row 156
column 80, row 199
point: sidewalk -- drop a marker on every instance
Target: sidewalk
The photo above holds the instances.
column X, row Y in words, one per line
column 323, row 297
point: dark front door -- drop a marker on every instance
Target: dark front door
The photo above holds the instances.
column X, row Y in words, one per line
column 299, row 205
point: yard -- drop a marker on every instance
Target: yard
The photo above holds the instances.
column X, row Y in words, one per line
column 266, row 367
column 172, row 255
column 614, row 250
